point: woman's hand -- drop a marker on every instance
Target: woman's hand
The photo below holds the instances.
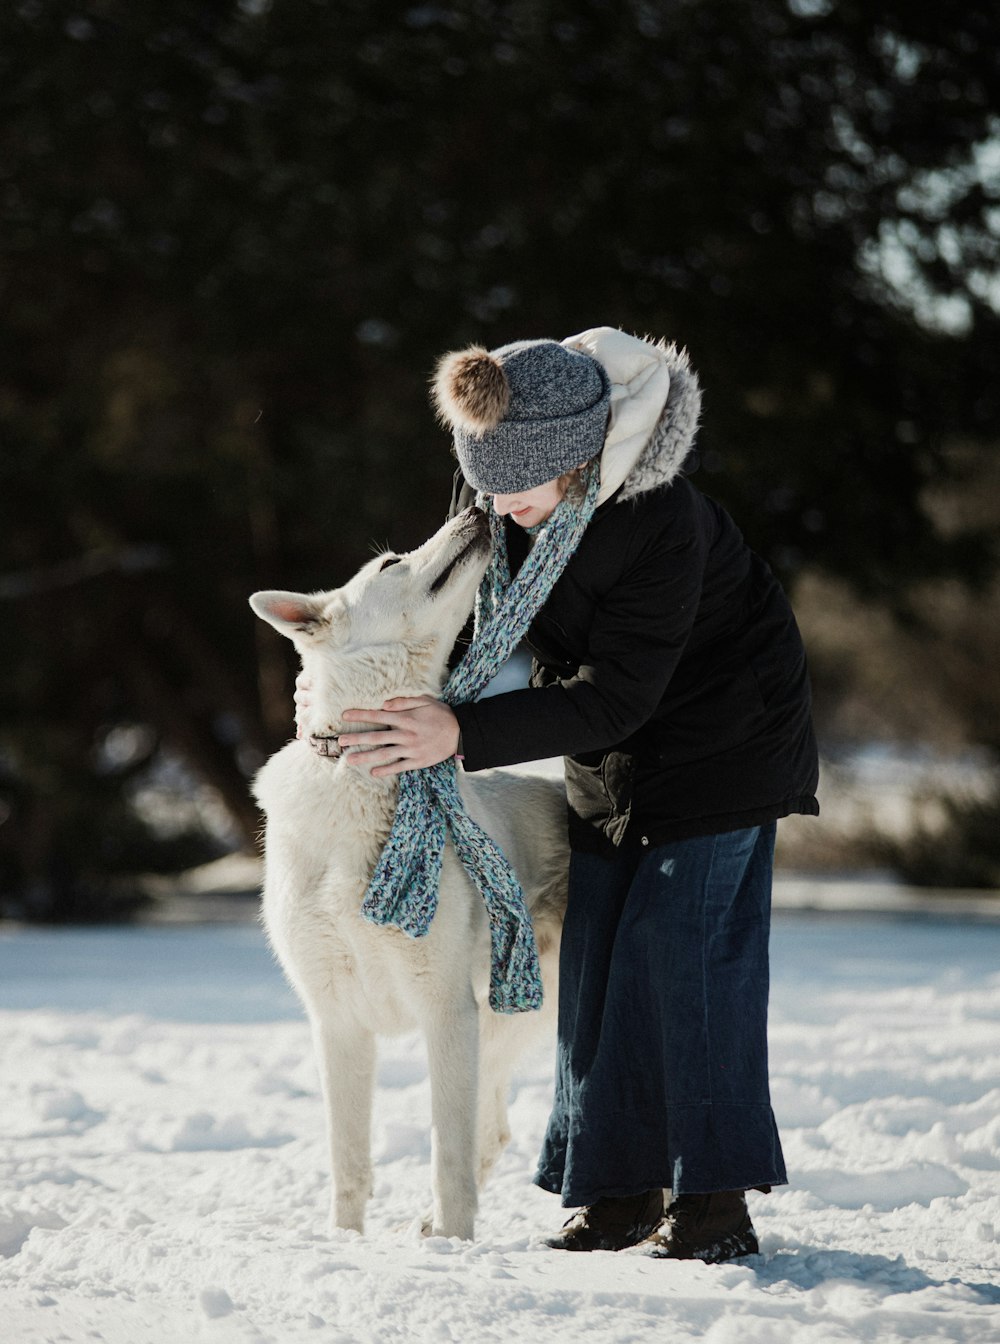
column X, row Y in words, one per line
column 419, row 731
column 303, row 700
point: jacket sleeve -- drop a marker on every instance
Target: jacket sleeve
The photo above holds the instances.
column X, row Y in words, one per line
column 637, row 636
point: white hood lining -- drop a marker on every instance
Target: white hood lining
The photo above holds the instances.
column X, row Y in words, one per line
column 640, row 385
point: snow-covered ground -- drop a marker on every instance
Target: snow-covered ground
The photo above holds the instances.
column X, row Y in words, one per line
column 164, row 1177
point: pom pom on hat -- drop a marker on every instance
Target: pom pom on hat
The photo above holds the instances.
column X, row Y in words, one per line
column 470, row 390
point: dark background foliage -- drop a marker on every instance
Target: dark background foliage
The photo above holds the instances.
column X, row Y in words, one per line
column 235, row 237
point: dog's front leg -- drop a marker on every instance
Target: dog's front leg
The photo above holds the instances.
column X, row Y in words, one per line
column 346, row 1058
column 452, row 1056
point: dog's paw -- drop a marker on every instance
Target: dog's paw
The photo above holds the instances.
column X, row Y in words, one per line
column 461, row 1229
column 414, row 1229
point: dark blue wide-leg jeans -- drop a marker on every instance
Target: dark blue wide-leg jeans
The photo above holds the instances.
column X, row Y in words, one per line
column 661, row 1075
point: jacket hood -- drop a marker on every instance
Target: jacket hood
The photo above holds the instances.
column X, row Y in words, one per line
column 655, row 409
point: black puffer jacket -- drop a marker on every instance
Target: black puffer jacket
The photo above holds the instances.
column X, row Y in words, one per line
column 668, row 668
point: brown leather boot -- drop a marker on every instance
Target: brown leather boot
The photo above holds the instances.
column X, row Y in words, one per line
column 610, row 1223
column 713, row 1228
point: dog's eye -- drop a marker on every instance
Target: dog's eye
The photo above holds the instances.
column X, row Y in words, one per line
column 389, row 560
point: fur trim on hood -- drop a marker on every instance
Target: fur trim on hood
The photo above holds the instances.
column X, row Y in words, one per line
column 655, row 408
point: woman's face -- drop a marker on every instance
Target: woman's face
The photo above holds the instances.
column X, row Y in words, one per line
column 528, row 508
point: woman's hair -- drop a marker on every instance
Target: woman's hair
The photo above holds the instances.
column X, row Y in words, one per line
column 573, row 484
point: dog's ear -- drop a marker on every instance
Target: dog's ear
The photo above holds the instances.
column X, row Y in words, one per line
column 292, row 613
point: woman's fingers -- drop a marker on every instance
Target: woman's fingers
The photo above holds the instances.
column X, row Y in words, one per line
column 302, row 698
column 417, row 731
column 367, row 715
column 369, row 741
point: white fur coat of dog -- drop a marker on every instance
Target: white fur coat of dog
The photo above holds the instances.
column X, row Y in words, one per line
column 388, row 632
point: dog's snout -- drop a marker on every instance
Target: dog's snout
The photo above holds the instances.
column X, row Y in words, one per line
column 476, row 519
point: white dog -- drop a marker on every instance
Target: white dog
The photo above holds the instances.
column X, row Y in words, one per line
column 386, row 633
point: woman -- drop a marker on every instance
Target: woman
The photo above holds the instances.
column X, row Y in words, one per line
column 669, row 672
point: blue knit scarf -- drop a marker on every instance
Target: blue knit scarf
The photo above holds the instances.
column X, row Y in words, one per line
column 403, row 891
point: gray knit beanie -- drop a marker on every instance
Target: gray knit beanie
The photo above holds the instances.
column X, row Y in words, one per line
column 523, row 414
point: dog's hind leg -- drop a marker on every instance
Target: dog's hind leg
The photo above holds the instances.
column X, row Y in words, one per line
column 347, row 1074
column 499, row 1046
column 503, row 1039
column 452, row 1056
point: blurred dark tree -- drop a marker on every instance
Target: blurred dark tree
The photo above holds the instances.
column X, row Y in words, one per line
column 236, row 234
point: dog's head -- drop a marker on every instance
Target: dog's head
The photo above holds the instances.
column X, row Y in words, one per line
column 400, row 613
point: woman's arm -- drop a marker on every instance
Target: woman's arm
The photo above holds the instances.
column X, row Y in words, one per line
column 462, row 495
column 636, row 640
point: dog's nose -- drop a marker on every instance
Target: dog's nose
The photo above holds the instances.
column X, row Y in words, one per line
column 477, row 518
